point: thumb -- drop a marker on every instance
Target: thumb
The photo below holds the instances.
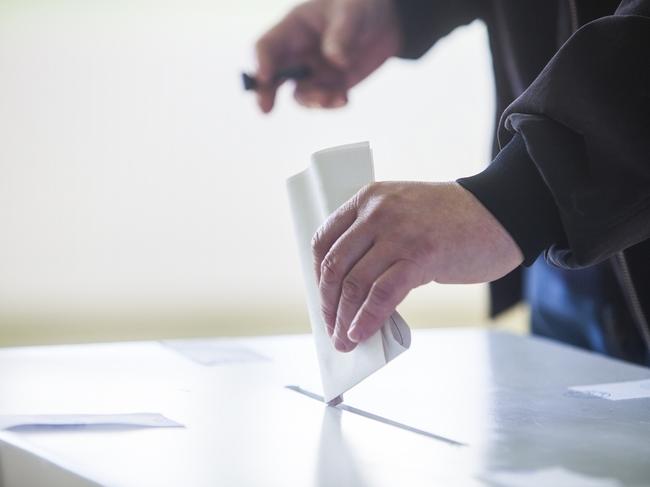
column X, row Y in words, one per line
column 340, row 37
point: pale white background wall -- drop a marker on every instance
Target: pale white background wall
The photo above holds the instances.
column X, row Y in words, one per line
column 137, row 177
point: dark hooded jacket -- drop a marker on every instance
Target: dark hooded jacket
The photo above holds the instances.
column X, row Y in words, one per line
column 570, row 177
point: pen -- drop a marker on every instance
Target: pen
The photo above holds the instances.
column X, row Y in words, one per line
column 294, row 73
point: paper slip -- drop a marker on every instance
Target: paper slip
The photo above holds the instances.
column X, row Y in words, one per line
column 149, row 420
column 617, row 391
column 333, row 177
column 212, row 352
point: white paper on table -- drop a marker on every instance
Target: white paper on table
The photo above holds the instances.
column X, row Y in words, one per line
column 150, row 420
column 333, row 177
column 213, row 352
column 617, row 391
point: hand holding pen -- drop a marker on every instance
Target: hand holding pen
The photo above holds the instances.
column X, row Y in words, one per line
column 326, row 47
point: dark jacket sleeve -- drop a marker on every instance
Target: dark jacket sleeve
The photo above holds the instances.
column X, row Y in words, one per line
column 513, row 178
column 423, row 22
column 585, row 125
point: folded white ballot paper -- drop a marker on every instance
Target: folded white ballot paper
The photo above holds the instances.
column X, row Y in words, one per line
column 333, row 177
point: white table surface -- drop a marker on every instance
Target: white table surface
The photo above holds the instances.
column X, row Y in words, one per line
column 504, row 397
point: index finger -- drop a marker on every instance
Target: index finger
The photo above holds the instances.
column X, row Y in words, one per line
column 274, row 49
column 269, row 55
column 330, row 231
column 385, row 294
column 277, row 49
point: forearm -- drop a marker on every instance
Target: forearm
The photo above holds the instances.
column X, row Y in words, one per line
column 585, row 124
column 583, row 134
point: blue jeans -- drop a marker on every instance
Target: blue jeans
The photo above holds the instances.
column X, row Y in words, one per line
column 584, row 308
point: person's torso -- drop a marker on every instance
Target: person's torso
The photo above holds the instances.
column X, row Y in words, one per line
column 592, row 308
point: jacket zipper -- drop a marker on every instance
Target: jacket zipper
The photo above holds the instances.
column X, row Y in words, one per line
column 573, row 15
column 632, row 297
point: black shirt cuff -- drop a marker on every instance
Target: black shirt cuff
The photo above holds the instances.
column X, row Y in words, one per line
column 513, row 190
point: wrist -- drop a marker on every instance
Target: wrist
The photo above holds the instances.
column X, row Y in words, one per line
column 514, row 192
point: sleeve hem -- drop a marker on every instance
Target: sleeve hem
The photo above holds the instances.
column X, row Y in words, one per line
column 513, row 190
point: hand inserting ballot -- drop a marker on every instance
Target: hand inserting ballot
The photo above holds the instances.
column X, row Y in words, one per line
column 392, row 237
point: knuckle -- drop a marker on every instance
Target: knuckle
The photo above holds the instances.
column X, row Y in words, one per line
column 383, row 208
column 371, row 314
column 425, row 250
column 328, row 270
column 365, row 193
column 328, row 314
column 388, row 201
column 382, row 293
column 367, row 188
column 351, row 290
column 317, row 243
column 352, row 205
column 414, row 273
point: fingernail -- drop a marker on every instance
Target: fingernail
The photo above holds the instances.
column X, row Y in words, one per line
column 336, row 102
column 354, row 334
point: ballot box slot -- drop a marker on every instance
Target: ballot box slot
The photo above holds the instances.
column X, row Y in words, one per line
column 374, row 417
